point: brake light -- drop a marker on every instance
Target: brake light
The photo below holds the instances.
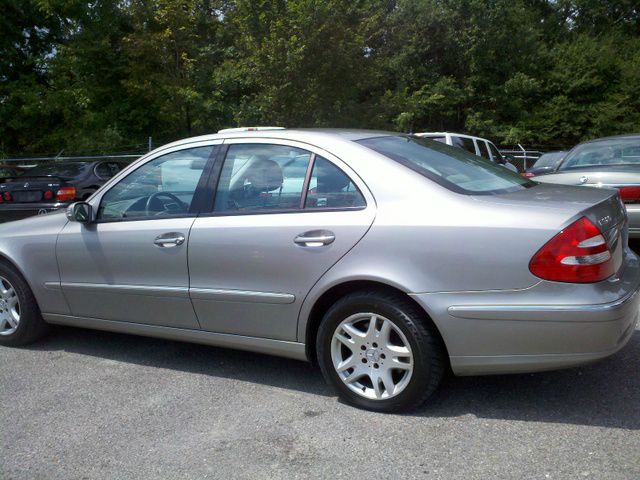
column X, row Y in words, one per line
column 578, row 254
column 66, row 194
column 630, row 194
column 7, row 196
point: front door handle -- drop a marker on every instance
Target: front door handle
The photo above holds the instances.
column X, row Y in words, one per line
column 168, row 240
column 315, row 238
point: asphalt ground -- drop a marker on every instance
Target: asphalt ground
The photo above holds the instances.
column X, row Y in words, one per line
column 84, row 404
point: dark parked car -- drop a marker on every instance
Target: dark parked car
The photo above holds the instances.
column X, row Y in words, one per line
column 52, row 186
column 547, row 163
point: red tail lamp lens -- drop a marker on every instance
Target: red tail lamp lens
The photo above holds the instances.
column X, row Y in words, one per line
column 578, row 254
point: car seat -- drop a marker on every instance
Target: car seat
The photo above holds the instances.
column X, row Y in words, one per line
column 262, row 178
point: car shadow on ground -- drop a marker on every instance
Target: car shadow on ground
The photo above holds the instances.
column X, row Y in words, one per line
column 603, row 394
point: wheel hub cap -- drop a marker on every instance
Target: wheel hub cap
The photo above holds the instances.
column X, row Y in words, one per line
column 372, row 356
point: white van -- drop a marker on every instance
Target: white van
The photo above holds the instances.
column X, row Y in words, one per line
column 476, row 145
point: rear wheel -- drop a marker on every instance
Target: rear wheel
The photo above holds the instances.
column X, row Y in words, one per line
column 379, row 352
column 20, row 319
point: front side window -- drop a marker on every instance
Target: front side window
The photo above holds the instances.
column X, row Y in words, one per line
column 497, row 156
column 259, row 177
column 450, row 167
column 163, row 187
column 330, row 187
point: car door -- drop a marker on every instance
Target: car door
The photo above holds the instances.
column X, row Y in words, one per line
column 284, row 213
column 130, row 264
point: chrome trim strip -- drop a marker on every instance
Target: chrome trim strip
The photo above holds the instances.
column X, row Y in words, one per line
column 555, row 313
column 281, row 348
column 149, row 290
column 221, row 295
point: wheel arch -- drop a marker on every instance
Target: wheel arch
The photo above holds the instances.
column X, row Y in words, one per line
column 335, row 292
column 4, row 258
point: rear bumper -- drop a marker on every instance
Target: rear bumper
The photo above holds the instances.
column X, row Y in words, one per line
column 522, row 334
column 18, row 211
column 633, row 212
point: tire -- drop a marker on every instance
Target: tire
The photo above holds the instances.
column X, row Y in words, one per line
column 30, row 325
column 423, row 358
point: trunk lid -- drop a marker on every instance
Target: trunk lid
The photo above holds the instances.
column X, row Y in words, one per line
column 30, row 189
column 602, row 206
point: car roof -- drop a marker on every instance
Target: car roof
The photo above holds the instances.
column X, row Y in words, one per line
column 299, row 134
column 629, row 136
column 463, row 135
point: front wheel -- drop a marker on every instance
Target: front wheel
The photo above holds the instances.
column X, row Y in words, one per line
column 379, row 352
column 20, row 319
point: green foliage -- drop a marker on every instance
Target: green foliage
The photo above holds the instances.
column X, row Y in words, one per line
column 103, row 76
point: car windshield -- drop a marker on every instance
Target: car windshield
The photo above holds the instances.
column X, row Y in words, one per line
column 451, row 167
column 60, row 170
column 548, row 159
column 618, row 152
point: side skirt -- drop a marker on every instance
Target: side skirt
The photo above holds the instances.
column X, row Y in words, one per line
column 280, row 348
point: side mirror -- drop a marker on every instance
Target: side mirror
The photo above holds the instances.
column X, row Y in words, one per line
column 79, row 212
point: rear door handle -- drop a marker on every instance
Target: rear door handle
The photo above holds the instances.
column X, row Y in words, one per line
column 315, row 238
column 168, row 240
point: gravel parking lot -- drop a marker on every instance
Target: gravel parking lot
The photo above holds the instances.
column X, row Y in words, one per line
column 85, row 404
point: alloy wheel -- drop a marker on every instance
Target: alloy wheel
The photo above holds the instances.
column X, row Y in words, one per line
column 372, row 356
column 9, row 308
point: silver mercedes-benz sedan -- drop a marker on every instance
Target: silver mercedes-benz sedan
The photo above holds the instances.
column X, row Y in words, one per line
column 385, row 258
column 612, row 162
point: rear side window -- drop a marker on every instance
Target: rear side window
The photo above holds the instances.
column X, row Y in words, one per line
column 450, row 167
column 275, row 178
column 106, row 170
column 484, row 151
column 463, row 143
column 330, row 187
column 259, row 177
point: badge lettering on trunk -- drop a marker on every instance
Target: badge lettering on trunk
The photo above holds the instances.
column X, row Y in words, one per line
column 604, row 221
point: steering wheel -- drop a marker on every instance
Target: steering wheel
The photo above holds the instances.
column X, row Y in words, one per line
column 182, row 207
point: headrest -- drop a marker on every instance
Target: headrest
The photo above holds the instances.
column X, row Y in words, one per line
column 265, row 175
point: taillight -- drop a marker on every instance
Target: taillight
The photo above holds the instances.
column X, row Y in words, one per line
column 48, row 195
column 7, row 196
column 578, row 254
column 528, row 174
column 66, row 194
column 630, row 194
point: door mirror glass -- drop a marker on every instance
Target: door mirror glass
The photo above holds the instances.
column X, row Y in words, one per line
column 79, row 212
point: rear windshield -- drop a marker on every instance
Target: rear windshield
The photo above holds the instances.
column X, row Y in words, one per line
column 607, row 152
column 451, row 167
column 60, row 170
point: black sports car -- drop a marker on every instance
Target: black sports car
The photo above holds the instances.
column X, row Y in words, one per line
column 52, row 186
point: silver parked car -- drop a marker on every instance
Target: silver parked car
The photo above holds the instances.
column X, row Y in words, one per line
column 612, row 162
column 385, row 258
